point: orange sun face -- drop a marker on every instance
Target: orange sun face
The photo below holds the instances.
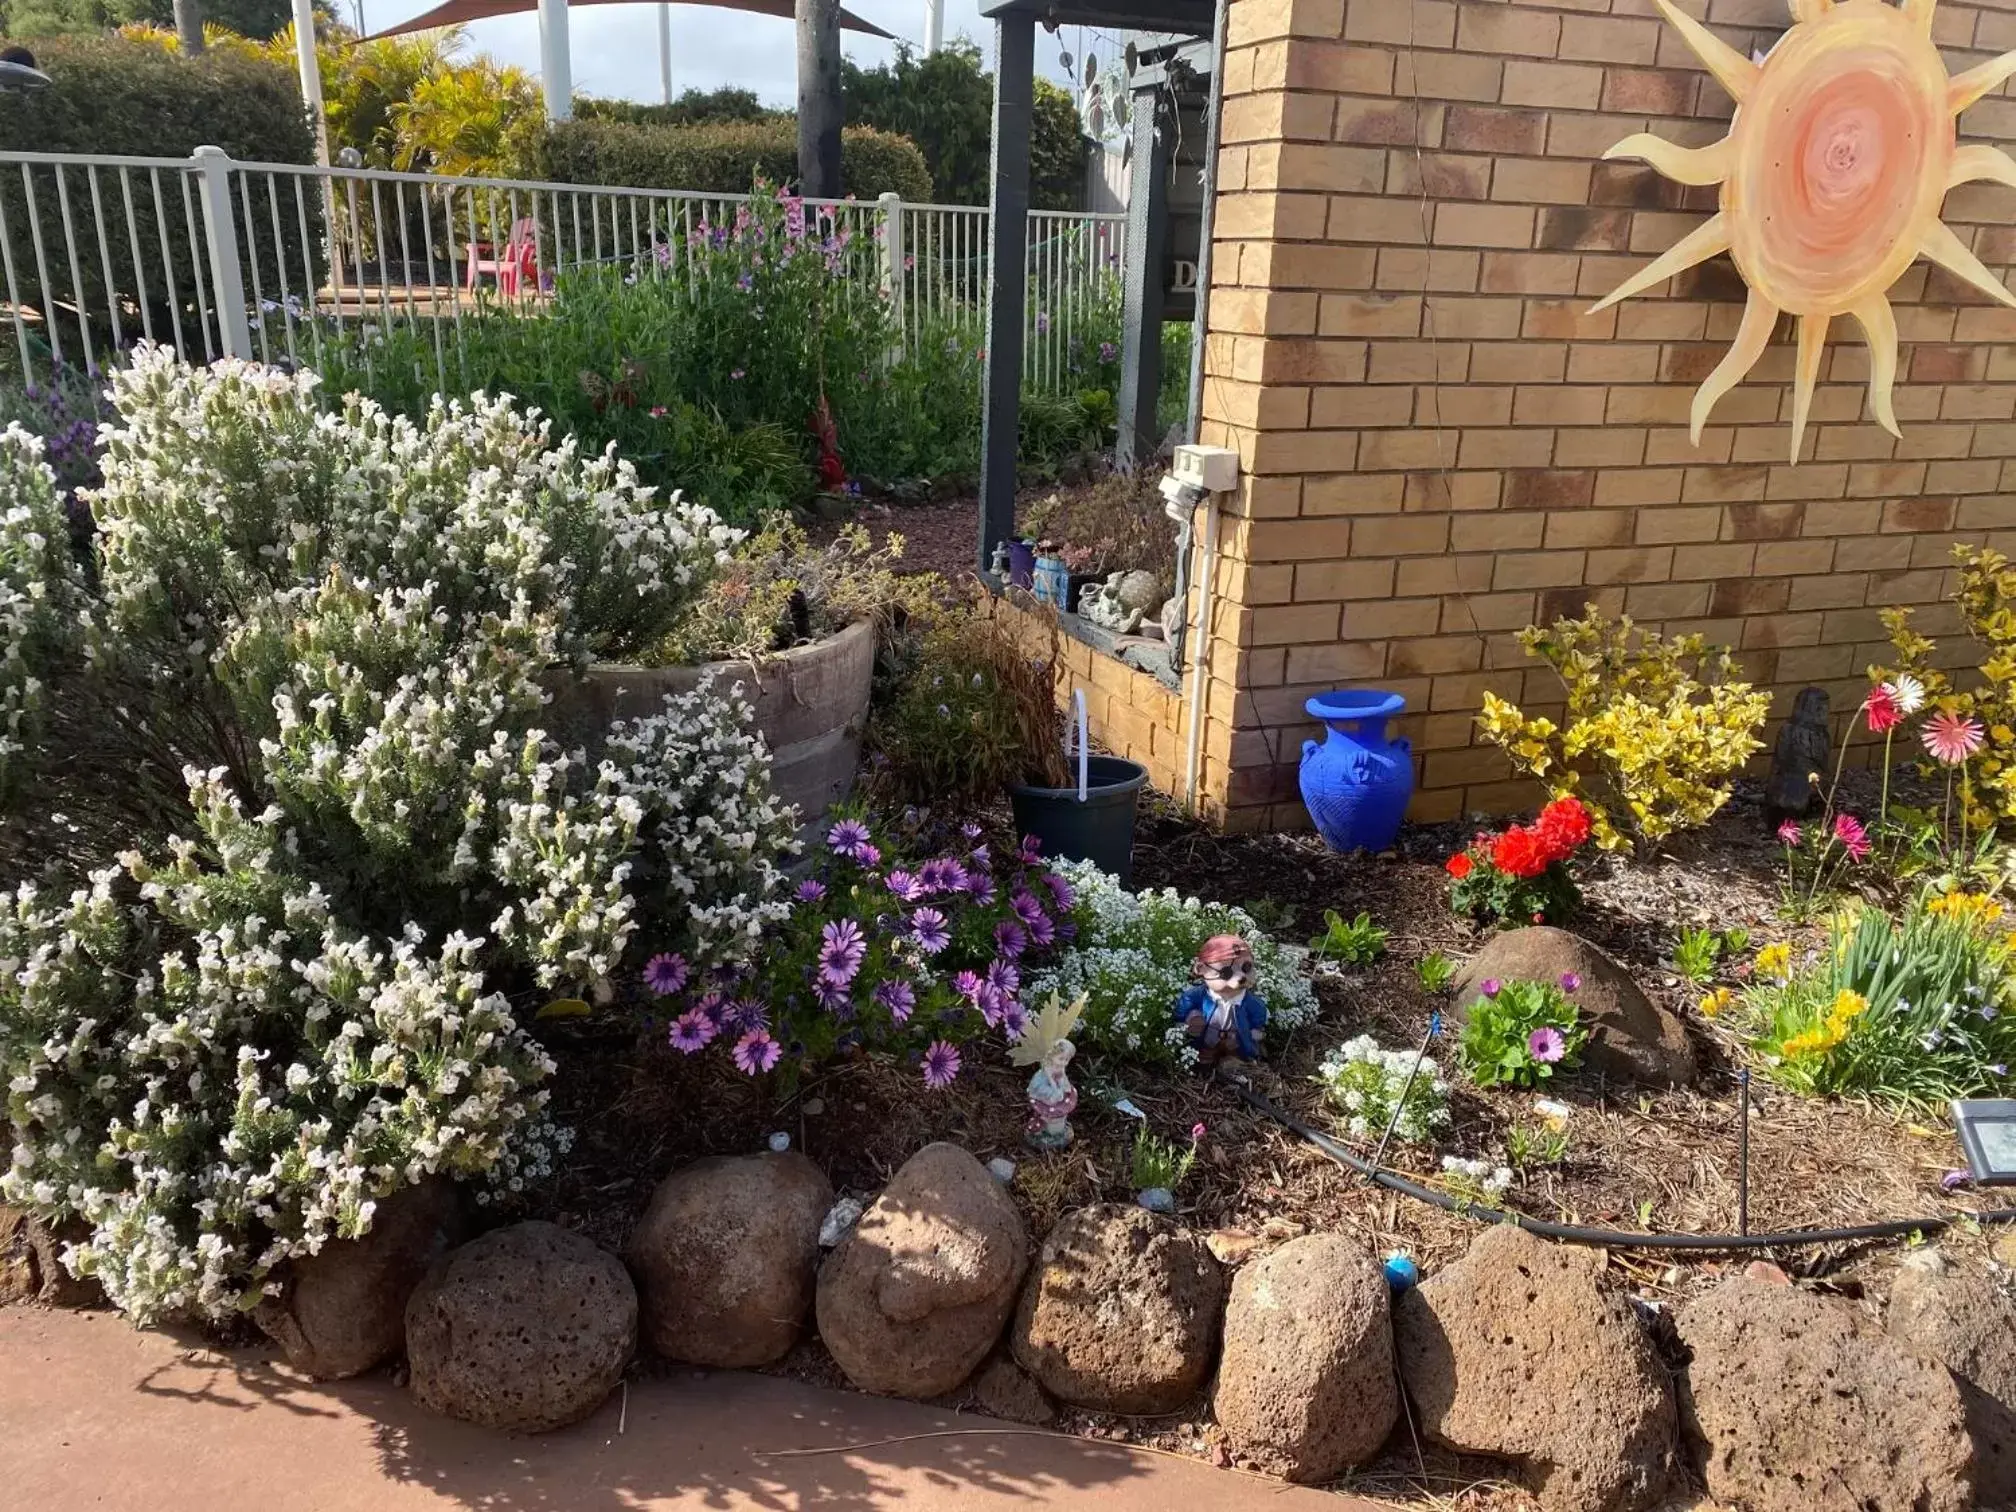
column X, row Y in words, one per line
column 1840, row 154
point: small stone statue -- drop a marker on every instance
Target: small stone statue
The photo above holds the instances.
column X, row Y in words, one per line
column 1052, row 1099
column 1799, row 760
column 1220, row 1014
column 1121, row 602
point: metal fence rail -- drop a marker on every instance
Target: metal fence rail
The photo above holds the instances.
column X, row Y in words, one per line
column 274, row 260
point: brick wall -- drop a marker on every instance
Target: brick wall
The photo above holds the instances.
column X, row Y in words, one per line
column 1440, row 445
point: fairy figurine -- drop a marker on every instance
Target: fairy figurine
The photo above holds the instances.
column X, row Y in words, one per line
column 1047, row 1046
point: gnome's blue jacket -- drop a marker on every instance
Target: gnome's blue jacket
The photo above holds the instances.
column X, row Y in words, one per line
column 1249, row 1016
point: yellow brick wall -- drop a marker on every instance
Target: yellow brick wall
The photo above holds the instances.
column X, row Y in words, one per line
column 1440, row 445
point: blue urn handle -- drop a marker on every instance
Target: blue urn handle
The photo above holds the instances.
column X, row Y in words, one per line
column 1309, row 748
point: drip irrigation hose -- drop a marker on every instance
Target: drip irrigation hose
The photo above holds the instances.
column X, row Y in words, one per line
column 1575, row 1233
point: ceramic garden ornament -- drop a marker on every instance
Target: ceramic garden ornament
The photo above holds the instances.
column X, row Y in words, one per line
column 1052, row 1099
column 1832, row 177
column 1220, row 1013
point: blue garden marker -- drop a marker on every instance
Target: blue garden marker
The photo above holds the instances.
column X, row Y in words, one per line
column 1402, row 1274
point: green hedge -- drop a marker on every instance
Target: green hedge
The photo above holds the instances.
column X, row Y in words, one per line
column 722, row 157
column 110, row 95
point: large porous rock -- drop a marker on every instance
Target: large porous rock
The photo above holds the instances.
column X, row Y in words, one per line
column 917, row 1293
column 31, row 1261
column 726, row 1255
column 1631, row 1038
column 1004, row 1390
column 1966, row 1321
column 1522, row 1349
column 343, row 1310
column 1797, row 1404
column 1305, row 1386
column 527, row 1328
column 1121, row 1311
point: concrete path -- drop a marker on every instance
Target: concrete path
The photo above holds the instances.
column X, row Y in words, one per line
column 94, row 1414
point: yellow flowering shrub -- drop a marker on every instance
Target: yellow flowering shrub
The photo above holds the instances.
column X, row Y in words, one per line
column 1653, row 733
column 1987, row 599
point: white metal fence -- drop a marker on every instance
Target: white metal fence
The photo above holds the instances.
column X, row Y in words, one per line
column 271, row 260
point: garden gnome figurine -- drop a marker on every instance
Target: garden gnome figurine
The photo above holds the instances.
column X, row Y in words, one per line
column 1220, row 1013
column 1052, row 1099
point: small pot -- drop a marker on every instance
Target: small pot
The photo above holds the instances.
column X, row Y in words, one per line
column 1099, row 830
column 1021, row 563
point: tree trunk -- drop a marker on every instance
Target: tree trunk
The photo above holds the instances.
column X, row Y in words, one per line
column 819, row 107
column 189, row 26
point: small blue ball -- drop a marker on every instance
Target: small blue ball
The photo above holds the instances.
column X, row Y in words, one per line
column 1401, row 1272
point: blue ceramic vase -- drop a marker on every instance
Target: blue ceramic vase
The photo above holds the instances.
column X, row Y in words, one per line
column 1357, row 782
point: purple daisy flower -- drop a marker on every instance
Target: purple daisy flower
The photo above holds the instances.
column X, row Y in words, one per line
column 980, row 889
column 898, row 998
column 970, row 830
column 934, row 876
column 691, row 1031
column 841, row 952
column 1010, row 938
column 981, row 859
column 1041, row 930
column 1032, row 850
column 941, row 1065
column 810, row 891
column 865, row 854
column 927, row 928
column 665, row 974
column 710, row 1005
column 834, row 1000
column 904, row 885
column 846, row 835
column 1014, row 1021
column 968, row 985
column 756, row 1051
column 1004, row 976
column 1489, row 986
column 745, row 1014
column 1570, row 982
column 994, row 1005
column 1066, row 931
column 1025, row 907
column 1546, row 1045
column 1060, row 889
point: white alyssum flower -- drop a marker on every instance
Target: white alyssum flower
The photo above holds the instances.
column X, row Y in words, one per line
column 1366, row 1084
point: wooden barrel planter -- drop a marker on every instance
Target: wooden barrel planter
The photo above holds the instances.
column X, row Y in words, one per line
column 810, row 703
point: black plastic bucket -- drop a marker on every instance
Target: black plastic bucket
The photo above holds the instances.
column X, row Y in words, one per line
column 1099, row 830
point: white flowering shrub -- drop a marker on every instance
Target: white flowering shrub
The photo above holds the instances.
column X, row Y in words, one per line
column 1133, row 955
column 227, row 482
column 222, row 1075
column 1367, row 1085
column 41, row 591
column 1474, row 1180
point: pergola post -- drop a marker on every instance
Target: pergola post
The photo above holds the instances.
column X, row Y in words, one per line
column 1141, row 290
column 1001, row 376
column 556, row 63
column 311, row 75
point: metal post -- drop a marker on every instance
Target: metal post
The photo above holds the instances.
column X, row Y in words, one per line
column 1214, row 106
column 1001, row 377
column 227, row 282
column 556, row 65
column 665, row 50
column 1743, row 1153
column 311, row 75
column 934, row 26
column 1141, row 298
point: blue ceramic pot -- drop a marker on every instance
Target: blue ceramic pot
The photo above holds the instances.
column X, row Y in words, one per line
column 1357, row 782
column 1021, row 563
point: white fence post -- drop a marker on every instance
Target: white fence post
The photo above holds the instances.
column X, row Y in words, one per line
column 234, row 330
column 892, row 250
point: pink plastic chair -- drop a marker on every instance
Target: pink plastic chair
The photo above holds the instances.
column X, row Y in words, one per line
column 518, row 267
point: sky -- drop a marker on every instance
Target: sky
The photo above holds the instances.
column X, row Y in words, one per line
column 615, row 47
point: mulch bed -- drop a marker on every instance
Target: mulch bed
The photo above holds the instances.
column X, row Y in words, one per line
column 1667, row 1160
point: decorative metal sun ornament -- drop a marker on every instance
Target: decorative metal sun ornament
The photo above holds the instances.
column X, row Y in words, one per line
column 1833, row 172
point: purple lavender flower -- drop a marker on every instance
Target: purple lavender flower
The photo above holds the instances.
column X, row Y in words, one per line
column 846, row 835
column 1546, row 1044
column 927, row 928
column 810, row 891
column 1010, row 938
column 841, row 952
column 898, row 998
column 941, row 1065
column 904, row 885
column 665, row 974
column 1025, row 907
column 691, row 1031
column 1004, row 976
column 756, row 1051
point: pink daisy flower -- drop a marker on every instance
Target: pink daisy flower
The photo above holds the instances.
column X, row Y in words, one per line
column 1951, row 739
column 1789, row 834
column 756, row 1052
column 665, row 974
column 1853, row 837
column 691, row 1031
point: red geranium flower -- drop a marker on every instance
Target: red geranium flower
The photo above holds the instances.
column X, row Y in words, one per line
column 1520, row 852
column 1563, row 826
column 1458, row 865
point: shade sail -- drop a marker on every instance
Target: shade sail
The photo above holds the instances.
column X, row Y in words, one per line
column 458, row 12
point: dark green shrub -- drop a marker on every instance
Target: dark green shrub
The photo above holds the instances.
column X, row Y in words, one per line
column 727, row 103
column 117, row 96
column 722, row 157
